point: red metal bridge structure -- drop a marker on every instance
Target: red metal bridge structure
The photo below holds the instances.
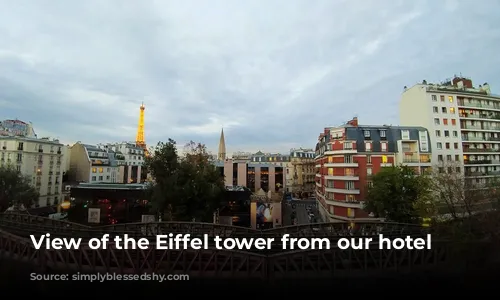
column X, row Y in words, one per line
column 275, row 263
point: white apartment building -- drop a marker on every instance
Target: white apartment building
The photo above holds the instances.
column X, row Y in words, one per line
column 133, row 160
column 41, row 160
column 463, row 124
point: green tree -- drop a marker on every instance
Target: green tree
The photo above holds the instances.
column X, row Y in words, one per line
column 399, row 195
column 184, row 187
column 15, row 189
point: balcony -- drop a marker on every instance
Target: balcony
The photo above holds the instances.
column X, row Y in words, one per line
column 482, row 173
column 478, row 105
column 479, row 127
column 350, row 177
column 478, row 162
column 40, row 150
column 343, row 191
column 469, row 150
column 342, row 165
column 480, row 139
column 492, row 116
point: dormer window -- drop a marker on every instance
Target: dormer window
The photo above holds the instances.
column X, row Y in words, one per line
column 383, row 133
column 367, row 133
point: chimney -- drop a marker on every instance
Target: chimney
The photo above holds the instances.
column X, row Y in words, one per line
column 353, row 122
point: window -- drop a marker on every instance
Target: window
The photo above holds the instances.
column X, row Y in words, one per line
column 369, row 159
column 435, row 109
column 367, row 133
column 438, row 133
column 445, row 121
column 455, row 133
column 452, row 110
column 448, row 157
column 349, row 172
column 348, row 159
column 350, row 198
column 436, row 121
column 440, row 157
column 347, row 145
column 442, row 98
column 453, row 122
column 330, row 171
column 369, row 171
column 349, row 185
column 368, row 147
column 446, row 133
column 384, row 159
column 455, row 145
column 439, row 145
column 383, row 147
column 382, row 133
column 443, row 110
column 94, row 170
column 100, row 178
column 447, row 145
column 405, row 134
column 458, row 170
column 101, row 170
column 434, row 98
column 450, row 98
column 457, row 157
column 93, row 178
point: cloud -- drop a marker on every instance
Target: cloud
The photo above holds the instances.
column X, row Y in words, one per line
column 272, row 73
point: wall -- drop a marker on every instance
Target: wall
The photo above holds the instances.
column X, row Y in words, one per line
column 79, row 164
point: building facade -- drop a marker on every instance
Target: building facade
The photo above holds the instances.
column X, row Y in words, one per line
column 300, row 172
column 131, row 159
column 254, row 171
column 41, row 160
column 107, row 163
column 348, row 156
column 463, row 123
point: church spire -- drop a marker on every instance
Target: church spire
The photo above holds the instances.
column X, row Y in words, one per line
column 222, row 147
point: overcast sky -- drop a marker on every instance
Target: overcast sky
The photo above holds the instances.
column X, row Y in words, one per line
column 273, row 73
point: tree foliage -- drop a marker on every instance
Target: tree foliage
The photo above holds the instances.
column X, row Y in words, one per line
column 15, row 189
column 184, row 187
column 398, row 195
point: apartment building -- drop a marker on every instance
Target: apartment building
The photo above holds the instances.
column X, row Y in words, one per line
column 349, row 155
column 41, row 160
column 91, row 164
column 131, row 159
column 300, row 172
column 254, row 171
column 463, row 123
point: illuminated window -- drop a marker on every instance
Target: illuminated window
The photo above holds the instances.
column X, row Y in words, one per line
column 94, row 170
column 349, row 172
column 450, row 98
column 101, row 170
column 452, row 110
column 330, row 159
column 350, row 213
column 350, row 198
column 330, row 171
column 384, row 159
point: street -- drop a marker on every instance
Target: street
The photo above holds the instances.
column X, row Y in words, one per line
column 301, row 214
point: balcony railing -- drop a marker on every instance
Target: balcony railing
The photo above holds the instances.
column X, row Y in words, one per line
column 481, row 150
column 478, row 105
column 476, row 127
column 478, row 162
column 481, row 116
